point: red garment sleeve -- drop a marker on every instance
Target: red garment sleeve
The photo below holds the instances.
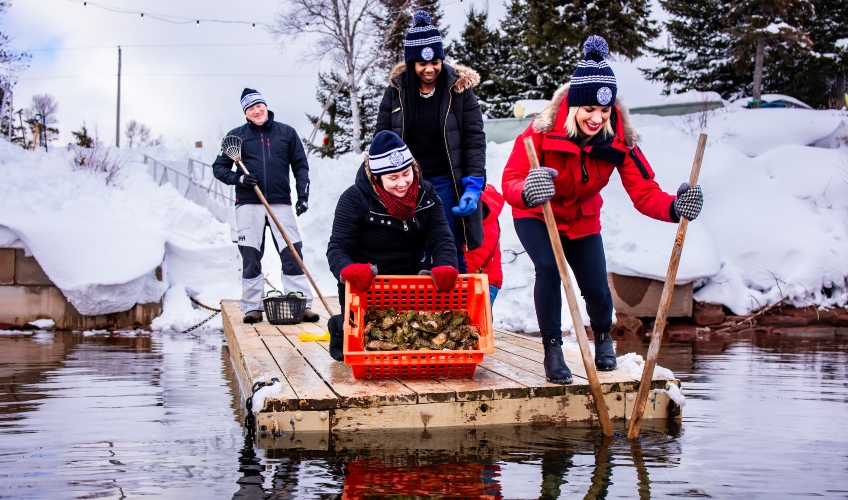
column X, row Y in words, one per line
column 517, row 167
column 645, row 193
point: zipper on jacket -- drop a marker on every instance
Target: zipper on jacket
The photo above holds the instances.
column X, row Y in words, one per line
column 264, row 170
column 405, row 227
column 585, row 178
column 639, row 164
column 402, row 113
column 450, row 162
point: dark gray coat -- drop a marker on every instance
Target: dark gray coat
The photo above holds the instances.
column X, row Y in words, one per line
column 462, row 129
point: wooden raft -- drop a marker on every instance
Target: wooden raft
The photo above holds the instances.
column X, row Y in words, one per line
column 320, row 395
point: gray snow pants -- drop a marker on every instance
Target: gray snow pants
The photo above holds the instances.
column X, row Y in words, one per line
column 251, row 221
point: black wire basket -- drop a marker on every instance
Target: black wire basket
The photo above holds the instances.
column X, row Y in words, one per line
column 284, row 309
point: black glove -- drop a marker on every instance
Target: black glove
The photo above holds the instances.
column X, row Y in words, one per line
column 246, row 181
column 689, row 201
column 301, row 206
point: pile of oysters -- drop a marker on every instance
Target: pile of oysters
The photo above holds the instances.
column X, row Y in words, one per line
column 390, row 330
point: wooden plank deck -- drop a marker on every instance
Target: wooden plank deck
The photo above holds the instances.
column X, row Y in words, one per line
column 318, row 396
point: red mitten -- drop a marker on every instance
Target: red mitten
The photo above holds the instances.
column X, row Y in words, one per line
column 445, row 278
column 360, row 276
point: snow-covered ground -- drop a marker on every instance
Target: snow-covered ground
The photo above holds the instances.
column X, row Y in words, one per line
column 774, row 225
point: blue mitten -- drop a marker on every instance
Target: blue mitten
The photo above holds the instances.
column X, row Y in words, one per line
column 469, row 199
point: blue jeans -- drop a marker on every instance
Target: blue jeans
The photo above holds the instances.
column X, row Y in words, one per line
column 586, row 258
column 493, row 294
column 445, row 189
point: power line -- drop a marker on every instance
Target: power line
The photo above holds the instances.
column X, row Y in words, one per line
column 211, row 75
column 168, row 18
column 49, row 49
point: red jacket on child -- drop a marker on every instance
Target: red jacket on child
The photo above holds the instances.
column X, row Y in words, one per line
column 487, row 257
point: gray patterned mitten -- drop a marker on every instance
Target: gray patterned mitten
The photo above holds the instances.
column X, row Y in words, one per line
column 539, row 186
column 689, row 201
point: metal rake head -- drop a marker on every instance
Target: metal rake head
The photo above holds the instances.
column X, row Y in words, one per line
column 231, row 146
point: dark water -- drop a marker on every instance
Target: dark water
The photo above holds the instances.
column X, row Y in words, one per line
column 125, row 416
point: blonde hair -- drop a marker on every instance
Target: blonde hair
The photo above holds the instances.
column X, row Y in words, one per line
column 572, row 128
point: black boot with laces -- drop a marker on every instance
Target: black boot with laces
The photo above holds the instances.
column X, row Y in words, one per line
column 556, row 371
column 604, row 352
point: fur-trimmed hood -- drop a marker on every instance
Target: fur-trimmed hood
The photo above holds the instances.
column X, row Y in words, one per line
column 547, row 119
column 464, row 77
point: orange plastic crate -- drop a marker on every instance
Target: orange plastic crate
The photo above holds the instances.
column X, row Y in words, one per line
column 418, row 293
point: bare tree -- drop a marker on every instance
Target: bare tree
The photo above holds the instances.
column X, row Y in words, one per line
column 347, row 32
column 138, row 134
column 46, row 106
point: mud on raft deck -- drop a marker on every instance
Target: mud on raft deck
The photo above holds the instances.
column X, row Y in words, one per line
column 320, row 396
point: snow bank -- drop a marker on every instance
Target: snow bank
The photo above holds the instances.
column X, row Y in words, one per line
column 692, row 96
column 101, row 245
column 775, row 223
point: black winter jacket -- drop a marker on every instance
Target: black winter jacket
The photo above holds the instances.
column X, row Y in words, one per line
column 364, row 233
column 462, row 129
column 269, row 152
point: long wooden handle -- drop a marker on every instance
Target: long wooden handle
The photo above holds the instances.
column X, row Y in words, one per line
column 571, row 298
column 288, row 241
column 665, row 302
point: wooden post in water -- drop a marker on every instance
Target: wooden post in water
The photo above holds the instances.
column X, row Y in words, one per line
column 571, row 298
column 665, row 302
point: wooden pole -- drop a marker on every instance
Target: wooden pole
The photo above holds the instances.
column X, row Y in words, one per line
column 571, row 298
column 665, row 302
column 118, row 112
column 286, row 237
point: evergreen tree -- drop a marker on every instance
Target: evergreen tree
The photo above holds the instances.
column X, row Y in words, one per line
column 483, row 49
column 756, row 25
column 819, row 78
column 540, row 42
column 714, row 45
column 82, row 138
column 336, row 122
column 697, row 50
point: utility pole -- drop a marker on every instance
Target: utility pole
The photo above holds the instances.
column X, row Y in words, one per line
column 118, row 121
column 3, row 106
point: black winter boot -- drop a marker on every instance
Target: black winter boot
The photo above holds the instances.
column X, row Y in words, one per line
column 253, row 317
column 604, row 352
column 336, row 328
column 556, row 371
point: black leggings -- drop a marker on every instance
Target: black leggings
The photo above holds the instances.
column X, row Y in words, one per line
column 586, row 258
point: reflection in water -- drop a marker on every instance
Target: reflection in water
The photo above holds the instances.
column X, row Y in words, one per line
column 111, row 416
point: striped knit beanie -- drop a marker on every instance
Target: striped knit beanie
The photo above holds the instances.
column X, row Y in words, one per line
column 593, row 82
column 249, row 97
column 388, row 153
column 423, row 42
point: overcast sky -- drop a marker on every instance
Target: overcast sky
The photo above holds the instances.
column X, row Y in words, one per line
column 184, row 80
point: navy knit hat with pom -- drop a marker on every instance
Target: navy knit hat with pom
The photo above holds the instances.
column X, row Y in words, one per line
column 388, row 153
column 593, row 82
column 423, row 42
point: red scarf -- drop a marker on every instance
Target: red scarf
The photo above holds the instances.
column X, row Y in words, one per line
column 402, row 208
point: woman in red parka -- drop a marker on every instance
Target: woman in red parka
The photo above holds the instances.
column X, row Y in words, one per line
column 486, row 259
column 581, row 137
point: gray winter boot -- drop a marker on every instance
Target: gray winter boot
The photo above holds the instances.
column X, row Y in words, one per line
column 556, row 371
column 604, row 352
